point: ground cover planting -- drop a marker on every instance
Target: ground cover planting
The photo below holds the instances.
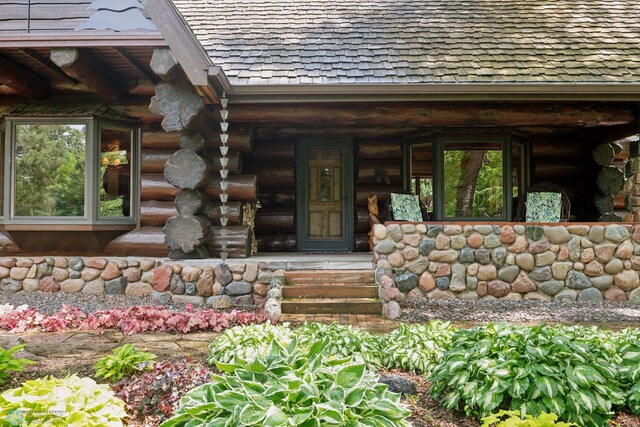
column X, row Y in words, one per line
column 321, row 375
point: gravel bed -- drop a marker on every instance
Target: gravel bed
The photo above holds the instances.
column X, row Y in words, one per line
column 424, row 310
column 49, row 302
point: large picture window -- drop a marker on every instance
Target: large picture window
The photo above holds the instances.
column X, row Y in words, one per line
column 69, row 171
column 467, row 177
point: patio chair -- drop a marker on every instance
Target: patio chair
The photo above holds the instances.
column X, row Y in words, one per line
column 544, row 204
column 405, row 207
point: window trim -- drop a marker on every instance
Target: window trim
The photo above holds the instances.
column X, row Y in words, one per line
column 439, row 139
column 90, row 219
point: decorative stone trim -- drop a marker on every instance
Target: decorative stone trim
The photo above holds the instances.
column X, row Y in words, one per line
column 576, row 262
column 220, row 286
column 273, row 306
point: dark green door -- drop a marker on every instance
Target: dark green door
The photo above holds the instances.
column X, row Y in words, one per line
column 324, row 195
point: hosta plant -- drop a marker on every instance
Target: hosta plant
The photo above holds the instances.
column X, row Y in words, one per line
column 416, row 347
column 292, row 386
column 531, row 370
column 122, row 361
column 512, row 419
column 68, row 402
column 342, row 340
column 629, row 367
column 245, row 343
column 9, row 361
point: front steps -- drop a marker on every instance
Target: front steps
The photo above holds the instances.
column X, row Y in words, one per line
column 330, row 292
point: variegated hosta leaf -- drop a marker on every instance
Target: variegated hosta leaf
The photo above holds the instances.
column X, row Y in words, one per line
column 296, row 385
column 570, row 371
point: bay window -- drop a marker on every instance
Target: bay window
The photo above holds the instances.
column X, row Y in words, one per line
column 74, row 171
column 462, row 176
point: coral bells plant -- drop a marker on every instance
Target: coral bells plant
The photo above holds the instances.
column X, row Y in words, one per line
column 155, row 395
column 129, row 320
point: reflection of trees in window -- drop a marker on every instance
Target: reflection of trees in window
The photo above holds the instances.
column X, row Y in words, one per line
column 50, row 170
column 473, row 183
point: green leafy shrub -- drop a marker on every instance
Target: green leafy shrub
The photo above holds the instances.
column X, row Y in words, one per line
column 245, row 343
column 122, row 361
column 512, row 419
column 629, row 367
column 342, row 340
column 9, row 361
column 532, row 370
column 417, row 347
column 68, row 402
column 292, row 386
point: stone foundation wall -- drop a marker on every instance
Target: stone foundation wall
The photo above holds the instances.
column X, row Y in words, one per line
column 218, row 286
column 576, row 262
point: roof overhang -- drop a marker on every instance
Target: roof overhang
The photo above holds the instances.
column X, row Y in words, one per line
column 436, row 92
column 83, row 39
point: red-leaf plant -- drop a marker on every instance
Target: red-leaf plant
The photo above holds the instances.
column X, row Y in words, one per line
column 130, row 320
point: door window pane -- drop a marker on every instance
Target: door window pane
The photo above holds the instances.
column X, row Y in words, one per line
column 473, row 180
column 115, row 172
column 50, row 170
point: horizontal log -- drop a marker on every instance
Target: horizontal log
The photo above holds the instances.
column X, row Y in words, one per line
column 155, row 187
column 238, row 241
column 275, row 220
column 372, row 172
column 22, row 80
column 363, row 192
column 379, row 149
column 212, row 212
column 274, row 150
column 273, row 174
column 312, row 131
column 560, row 168
column 556, row 147
column 277, row 242
column 153, row 160
column 435, row 114
column 288, row 242
column 145, row 241
column 160, row 140
column 243, row 188
column 154, row 213
column 270, row 197
column 362, row 219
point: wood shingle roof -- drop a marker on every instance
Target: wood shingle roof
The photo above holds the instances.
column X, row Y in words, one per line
column 273, row 42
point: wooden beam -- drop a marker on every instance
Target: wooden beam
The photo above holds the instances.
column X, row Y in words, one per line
column 80, row 65
column 23, row 80
column 134, row 63
column 47, row 63
column 404, row 114
column 185, row 46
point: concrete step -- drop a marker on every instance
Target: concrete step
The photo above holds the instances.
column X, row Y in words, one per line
column 333, row 290
column 364, row 277
column 332, row 305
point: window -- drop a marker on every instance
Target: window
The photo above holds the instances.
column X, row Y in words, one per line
column 69, row 171
column 467, row 177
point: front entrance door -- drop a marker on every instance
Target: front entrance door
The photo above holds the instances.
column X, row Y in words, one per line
column 324, row 194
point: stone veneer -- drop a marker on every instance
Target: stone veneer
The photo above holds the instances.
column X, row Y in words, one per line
column 575, row 262
column 218, row 286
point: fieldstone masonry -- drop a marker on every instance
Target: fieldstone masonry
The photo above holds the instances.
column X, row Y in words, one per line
column 576, row 262
column 219, row 286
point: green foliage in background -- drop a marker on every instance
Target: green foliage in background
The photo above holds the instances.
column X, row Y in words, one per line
column 50, row 168
column 9, row 361
column 292, row 386
column 122, row 361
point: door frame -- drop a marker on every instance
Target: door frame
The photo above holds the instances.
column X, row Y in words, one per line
column 304, row 244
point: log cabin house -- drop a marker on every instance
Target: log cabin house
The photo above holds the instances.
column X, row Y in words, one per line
column 190, row 128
